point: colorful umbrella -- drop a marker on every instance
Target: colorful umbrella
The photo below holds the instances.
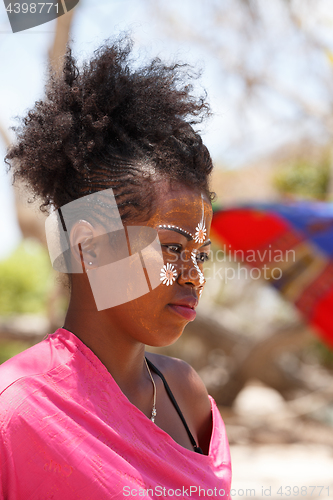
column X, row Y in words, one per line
column 292, row 246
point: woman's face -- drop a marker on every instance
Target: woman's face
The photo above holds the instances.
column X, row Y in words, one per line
column 153, row 318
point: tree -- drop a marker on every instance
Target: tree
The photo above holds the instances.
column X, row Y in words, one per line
column 273, row 62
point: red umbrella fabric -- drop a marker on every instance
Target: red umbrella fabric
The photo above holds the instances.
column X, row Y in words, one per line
column 291, row 245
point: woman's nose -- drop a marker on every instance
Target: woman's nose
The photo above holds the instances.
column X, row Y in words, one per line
column 189, row 271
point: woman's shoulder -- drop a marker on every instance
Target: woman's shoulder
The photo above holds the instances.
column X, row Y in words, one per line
column 33, row 362
column 179, row 373
column 189, row 391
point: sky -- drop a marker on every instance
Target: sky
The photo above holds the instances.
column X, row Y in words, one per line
column 23, row 58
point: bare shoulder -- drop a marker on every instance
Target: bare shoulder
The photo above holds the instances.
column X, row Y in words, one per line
column 179, row 373
column 189, row 390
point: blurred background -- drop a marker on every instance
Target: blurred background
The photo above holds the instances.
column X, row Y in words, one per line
column 267, row 67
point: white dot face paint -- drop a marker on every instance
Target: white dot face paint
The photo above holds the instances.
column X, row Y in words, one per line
column 178, row 229
column 194, row 260
column 168, row 274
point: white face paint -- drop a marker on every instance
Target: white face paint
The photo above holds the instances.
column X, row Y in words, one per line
column 168, row 273
column 194, row 260
column 180, row 229
column 200, row 237
column 200, row 233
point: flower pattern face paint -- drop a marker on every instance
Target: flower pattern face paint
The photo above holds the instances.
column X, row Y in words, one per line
column 200, row 233
column 168, row 272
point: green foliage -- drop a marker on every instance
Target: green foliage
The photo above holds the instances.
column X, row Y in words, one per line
column 323, row 353
column 305, row 179
column 8, row 349
column 25, row 279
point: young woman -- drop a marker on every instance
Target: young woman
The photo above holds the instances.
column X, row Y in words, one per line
column 87, row 413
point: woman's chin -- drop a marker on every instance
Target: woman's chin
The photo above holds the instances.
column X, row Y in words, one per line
column 165, row 340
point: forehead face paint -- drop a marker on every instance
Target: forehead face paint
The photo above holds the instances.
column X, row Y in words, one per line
column 200, row 233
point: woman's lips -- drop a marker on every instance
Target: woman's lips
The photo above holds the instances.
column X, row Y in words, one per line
column 184, row 311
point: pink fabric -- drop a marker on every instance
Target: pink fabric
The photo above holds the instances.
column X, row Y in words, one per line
column 68, row 432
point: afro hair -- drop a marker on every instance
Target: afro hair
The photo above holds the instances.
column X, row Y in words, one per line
column 110, row 124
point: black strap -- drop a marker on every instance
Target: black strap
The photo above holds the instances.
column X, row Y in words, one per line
column 197, row 449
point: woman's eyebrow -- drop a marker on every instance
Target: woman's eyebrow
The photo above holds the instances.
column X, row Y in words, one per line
column 187, row 235
column 208, row 242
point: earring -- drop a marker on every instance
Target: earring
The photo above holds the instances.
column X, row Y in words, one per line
column 168, row 274
column 90, row 264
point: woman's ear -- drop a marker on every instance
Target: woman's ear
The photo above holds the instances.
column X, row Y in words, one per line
column 83, row 243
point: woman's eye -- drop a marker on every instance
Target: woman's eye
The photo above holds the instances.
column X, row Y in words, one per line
column 203, row 257
column 172, row 248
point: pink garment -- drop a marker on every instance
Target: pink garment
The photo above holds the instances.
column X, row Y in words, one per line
column 68, row 432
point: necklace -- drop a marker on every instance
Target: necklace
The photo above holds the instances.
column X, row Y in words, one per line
column 153, row 412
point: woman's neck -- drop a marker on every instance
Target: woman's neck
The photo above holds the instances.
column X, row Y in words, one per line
column 122, row 355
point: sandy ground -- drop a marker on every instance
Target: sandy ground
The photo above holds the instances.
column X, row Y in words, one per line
column 278, row 472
